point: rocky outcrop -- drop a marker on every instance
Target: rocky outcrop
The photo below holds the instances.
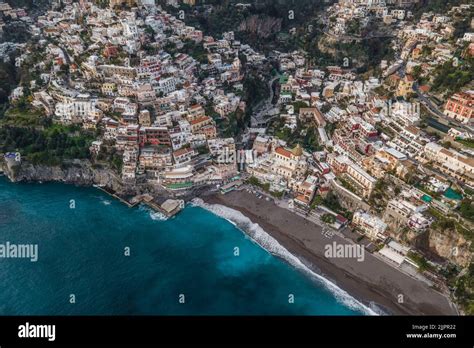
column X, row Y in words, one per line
column 78, row 172
column 339, row 47
column 347, row 199
column 450, row 245
column 263, row 27
column 326, row 45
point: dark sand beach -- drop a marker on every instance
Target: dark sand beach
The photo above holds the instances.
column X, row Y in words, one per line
column 371, row 280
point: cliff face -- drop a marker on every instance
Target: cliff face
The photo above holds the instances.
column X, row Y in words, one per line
column 261, row 26
column 342, row 47
column 80, row 173
column 450, row 245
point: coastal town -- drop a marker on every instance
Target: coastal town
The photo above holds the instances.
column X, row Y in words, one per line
column 382, row 158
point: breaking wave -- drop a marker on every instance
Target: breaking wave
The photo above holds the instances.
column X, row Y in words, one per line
column 270, row 244
column 154, row 215
column 105, row 201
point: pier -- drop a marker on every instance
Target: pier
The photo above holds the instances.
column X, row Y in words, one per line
column 168, row 207
column 112, row 193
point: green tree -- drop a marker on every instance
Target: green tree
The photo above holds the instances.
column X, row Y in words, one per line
column 328, row 219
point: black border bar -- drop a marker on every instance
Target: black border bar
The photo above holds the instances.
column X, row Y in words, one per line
column 210, row 330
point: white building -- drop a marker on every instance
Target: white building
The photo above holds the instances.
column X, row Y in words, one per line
column 75, row 109
column 370, row 225
column 451, row 162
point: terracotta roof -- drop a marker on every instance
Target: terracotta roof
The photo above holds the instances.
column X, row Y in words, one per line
column 425, row 88
column 467, row 160
column 181, row 152
column 446, row 152
column 200, row 120
column 394, row 77
column 302, row 199
column 413, row 130
column 283, row 152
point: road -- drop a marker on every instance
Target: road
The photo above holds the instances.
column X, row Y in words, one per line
column 427, row 102
column 356, row 38
column 436, row 171
column 265, row 107
column 435, row 111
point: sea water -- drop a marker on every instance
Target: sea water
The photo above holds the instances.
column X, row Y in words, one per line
column 96, row 256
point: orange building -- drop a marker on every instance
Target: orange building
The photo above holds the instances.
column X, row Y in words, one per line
column 461, row 107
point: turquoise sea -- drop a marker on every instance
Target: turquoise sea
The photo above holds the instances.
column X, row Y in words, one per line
column 81, row 251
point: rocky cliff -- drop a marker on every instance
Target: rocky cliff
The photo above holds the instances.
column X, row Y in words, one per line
column 450, row 245
column 261, row 26
column 342, row 47
column 79, row 172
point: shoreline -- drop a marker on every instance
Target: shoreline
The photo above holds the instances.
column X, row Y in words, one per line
column 348, row 279
column 369, row 282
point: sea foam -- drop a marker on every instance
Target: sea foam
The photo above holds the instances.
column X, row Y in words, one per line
column 270, row 244
column 154, row 215
column 105, row 201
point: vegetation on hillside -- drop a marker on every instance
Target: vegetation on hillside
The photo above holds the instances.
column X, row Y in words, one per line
column 49, row 146
column 8, row 81
column 259, row 25
column 437, row 6
column 451, row 77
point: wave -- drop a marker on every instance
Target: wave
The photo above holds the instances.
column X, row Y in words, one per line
column 270, row 244
column 103, row 200
column 378, row 309
column 154, row 215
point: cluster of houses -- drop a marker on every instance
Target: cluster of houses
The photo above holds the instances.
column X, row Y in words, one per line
column 134, row 76
column 128, row 77
column 7, row 12
column 377, row 137
column 345, row 12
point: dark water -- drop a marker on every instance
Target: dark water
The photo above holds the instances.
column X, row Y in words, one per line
column 81, row 252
